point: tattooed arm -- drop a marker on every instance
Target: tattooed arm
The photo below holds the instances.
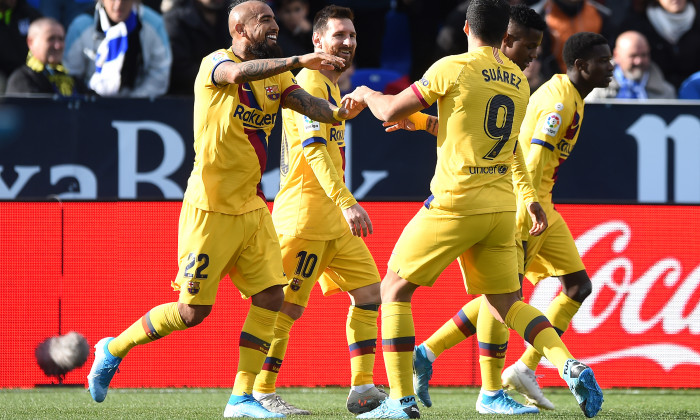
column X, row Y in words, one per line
column 315, row 108
column 246, row 71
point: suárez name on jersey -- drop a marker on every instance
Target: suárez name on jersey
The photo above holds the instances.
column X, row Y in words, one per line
column 254, row 117
column 496, row 75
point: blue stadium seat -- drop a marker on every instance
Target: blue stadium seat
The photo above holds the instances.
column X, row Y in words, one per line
column 375, row 79
column 396, row 43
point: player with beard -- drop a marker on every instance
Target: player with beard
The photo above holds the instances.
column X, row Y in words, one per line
column 320, row 226
column 225, row 226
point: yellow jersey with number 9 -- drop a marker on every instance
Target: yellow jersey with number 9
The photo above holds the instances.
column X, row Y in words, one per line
column 481, row 99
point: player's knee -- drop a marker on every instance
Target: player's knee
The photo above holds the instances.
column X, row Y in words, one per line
column 193, row 315
column 366, row 295
column 270, row 298
column 580, row 291
column 292, row 310
column 583, row 291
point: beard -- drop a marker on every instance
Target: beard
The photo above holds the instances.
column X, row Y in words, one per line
column 635, row 73
column 348, row 62
column 262, row 50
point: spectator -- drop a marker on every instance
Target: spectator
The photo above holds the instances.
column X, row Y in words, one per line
column 141, row 65
column 65, row 11
column 43, row 72
column 195, row 28
column 672, row 28
column 295, row 29
column 15, row 17
column 565, row 18
column 690, row 88
column 635, row 75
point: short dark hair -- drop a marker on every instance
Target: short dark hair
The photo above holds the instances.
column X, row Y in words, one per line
column 580, row 45
column 527, row 17
column 488, row 19
column 331, row 12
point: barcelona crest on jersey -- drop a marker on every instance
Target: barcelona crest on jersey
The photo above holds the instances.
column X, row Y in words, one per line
column 192, row 287
column 272, row 92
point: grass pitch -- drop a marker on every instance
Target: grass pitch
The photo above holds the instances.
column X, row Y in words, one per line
column 197, row 403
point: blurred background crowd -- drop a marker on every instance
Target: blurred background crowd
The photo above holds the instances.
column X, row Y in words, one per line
column 148, row 48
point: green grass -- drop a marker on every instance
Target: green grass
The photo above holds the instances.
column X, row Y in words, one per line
column 196, row 403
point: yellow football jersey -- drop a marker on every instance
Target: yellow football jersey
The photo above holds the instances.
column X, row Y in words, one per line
column 232, row 124
column 312, row 166
column 482, row 97
column 552, row 121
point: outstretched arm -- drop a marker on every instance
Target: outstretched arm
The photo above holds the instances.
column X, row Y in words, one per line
column 414, row 122
column 315, row 108
column 385, row 107
column 246, row 71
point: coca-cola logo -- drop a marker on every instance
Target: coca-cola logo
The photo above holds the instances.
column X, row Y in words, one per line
column 621, row 295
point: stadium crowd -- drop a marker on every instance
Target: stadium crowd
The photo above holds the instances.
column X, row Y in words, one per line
column 406, row 37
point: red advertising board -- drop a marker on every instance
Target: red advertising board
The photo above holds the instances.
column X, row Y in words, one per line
column 95, row 268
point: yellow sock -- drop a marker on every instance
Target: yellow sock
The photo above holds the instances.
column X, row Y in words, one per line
column 493, row 342
column 535, row 328
column 361, row 331
column 157, row 323
column 267, row 378
column 457, row 329
column 256, row 335
column 398, row 341
column 560, row 313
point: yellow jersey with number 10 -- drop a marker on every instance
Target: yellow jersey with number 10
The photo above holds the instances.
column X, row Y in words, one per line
column 312, row 168
column 481, row 99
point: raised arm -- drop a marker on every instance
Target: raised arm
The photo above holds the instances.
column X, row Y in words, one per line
column 246, row 71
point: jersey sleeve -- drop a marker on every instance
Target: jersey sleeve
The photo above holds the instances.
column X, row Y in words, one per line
column 288, row 83
column 209, row 65
column 434, row 83
column 314, row 138
column 521, row 177
column 320, row 162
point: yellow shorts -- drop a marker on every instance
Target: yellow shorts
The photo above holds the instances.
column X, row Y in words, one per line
column 553, row 253
column 484, row 245
column 341, row 264
column 211, row 245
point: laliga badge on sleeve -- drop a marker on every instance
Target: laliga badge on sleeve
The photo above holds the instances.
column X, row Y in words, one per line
column 219, row 56
column 311, row 125
column 551, row 124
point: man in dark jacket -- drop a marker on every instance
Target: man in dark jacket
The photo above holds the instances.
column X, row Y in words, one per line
column 43, row 72
column 195, row 28
column 15, row 17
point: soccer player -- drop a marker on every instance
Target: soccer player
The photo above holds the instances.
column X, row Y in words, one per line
column 548, row 135
column 225, row 226
column 320, row 227
column 525, row 31
column 470, row 216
